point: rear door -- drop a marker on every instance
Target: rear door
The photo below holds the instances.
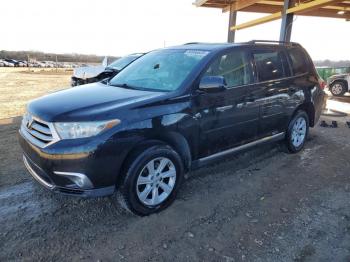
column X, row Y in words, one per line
column 228, row 118
column 272, row 89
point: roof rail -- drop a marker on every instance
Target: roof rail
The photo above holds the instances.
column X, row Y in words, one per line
column 273, row 42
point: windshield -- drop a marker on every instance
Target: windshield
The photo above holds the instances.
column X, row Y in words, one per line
column 120, row 63
column 163, row 70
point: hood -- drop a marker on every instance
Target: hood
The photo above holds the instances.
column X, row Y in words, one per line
column 339, row 76
column 88, row 71
column 90, row 102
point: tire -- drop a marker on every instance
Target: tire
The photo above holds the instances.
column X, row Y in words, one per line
column 297, row 132
column 140, row 187
column 338, row 88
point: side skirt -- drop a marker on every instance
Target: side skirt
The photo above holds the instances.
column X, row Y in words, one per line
column 212, row 158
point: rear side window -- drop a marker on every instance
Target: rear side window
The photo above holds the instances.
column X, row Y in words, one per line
column 269, row 64
column 298, row 60
column 234, row 66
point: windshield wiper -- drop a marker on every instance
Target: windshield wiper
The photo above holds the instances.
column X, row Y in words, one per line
column 112, row 69
column 125, row 85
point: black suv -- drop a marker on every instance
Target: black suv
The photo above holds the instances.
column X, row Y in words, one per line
column 170, row 111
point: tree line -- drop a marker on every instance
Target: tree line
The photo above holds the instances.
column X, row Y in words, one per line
column 80, row 58
column 41, row 56
column 332, row 64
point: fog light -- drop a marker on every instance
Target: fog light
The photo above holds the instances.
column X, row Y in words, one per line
column 79, row 179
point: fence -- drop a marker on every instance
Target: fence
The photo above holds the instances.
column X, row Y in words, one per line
column 326, row 72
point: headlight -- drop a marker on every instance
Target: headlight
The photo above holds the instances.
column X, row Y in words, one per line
column 71, row 130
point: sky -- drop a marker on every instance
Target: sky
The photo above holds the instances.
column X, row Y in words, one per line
column 120, row 27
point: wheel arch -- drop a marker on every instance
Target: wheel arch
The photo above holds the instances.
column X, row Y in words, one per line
column 309, row 108
column 173, row 139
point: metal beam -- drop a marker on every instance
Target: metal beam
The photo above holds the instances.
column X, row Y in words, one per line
column 232, row 22
column 287, row 22
column 300, row 9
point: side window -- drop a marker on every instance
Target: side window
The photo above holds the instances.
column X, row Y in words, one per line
column 269, row 65
column 234, row 67
column 298, row 60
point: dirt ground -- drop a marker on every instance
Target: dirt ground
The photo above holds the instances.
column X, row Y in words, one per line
column 20, row 85
column 261, row 205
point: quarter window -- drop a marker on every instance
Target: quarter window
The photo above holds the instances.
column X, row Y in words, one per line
column 234, row 67
column 298, row 60
column 269, row 65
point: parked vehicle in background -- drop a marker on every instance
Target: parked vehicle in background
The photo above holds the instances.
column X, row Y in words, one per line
column 91, row 74
column 22, row 63
column 339, row 84
column 170, row 111
column 12, row 62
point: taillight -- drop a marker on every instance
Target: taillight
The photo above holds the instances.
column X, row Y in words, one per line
column 322, row 83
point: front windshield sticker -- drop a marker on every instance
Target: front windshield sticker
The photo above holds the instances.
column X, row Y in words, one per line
column 196, row 53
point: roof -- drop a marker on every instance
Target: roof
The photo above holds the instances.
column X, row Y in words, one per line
column 203, row 46
column 319, row 8
column 220, row 46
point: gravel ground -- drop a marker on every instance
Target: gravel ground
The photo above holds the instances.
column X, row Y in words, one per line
column 261, row 205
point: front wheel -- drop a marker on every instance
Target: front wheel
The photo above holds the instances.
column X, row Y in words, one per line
column 297, row 132
column 151, row 180
column 338, row 88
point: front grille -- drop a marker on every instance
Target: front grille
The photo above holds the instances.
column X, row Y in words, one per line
column 37, row 131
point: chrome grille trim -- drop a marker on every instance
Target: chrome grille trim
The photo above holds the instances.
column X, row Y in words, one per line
column 35, row 175
column 41, row 129
column 40, row 133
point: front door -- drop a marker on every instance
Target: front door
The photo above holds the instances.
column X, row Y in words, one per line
column 228, row 118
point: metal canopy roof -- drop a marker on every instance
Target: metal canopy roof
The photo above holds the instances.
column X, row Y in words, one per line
column 320, row 8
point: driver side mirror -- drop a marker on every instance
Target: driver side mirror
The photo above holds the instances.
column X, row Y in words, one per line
column 212, row 84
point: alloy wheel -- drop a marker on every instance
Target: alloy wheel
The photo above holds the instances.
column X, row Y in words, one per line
column 298, row 132
column 156, row 181
column 337, row 89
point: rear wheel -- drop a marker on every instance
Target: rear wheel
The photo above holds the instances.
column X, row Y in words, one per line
column 151, row 181
column 338, row 88
column 297, row 132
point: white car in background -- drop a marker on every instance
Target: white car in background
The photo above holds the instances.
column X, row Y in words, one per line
column 7, row 64
column 90, row 74
column 339, row 84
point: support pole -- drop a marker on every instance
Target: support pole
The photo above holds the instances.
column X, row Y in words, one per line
column 287, row 22
column 232, row 22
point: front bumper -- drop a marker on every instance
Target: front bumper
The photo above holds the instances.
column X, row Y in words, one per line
column 42, row 178
column 85, row 168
